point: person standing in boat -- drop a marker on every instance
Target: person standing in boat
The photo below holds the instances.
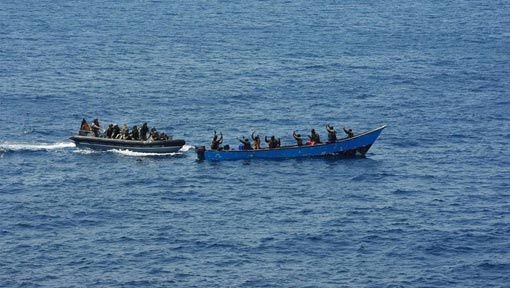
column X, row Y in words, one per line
column 272, row 142
column 331, row 133
column 349, row 132
column 115, row 131
column 246, row 143
column 299, row 139
column 216, row 141
column 256, row 140
column 96, row 128
column 143, row 131
column 314, row 138
column 135, row 134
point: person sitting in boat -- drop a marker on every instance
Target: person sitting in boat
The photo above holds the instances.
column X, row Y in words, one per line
column 349, row 132
column 216, row 141
column 96, row 128
column 331, row 133
column 298, row 138
column 246, row 145
column 314, row 138
column 163, row 136
column 109, row 131
column 123, row 131
column 272, row 142
column 143, row 131
column 115, row 131
column 154, row 135
column 135, row 133
column 256, row 140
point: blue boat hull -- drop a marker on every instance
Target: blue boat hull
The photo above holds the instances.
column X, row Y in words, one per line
column 357, row 145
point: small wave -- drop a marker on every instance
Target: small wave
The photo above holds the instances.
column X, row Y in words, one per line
column 35, row 147
column 186, row 148
column 86, row 151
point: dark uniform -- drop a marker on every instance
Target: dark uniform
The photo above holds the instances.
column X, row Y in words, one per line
column 272, row 142
column 95, row 127
column 143, row 132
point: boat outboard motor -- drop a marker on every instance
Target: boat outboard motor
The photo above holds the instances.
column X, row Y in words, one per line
column 200, row 152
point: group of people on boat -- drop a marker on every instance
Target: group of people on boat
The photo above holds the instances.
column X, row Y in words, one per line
column 122, row 133
column 274, row 142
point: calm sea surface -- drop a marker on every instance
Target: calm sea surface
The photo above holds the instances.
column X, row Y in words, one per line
column 428, row 207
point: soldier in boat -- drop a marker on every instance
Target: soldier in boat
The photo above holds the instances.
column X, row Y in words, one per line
column 109, row 131
column 216, row 141
column 331, row 133
column 143, row 131
column 115, row 131
column 125, row 134
column 154, row 134
column 96, row 128
column 124, row 131
column 135, row 133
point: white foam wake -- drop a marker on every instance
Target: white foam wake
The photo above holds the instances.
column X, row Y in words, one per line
column 35, row 147
column 186, row 148
column 141, row 154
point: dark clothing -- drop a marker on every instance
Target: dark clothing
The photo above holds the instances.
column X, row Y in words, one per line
column 109, row 131
column 216, row 142
column 115, row 132
column 246, row 144
column 135, row 134
column 143, row 132
column 272, row 142
column 95, row 127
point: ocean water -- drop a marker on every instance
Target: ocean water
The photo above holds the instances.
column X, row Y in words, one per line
column 429, row 206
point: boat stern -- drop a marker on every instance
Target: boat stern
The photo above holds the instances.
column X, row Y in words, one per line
column 200, row 152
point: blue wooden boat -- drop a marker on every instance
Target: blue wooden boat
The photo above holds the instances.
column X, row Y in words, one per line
column 354, row 146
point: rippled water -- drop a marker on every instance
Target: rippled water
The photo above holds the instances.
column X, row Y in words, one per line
column 428, row 207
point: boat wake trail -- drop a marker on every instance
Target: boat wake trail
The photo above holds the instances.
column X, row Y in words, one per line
column 184, row 149
column 13, row 147
column 142, row 154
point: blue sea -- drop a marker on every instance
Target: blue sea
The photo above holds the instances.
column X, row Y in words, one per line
column 429, row 205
